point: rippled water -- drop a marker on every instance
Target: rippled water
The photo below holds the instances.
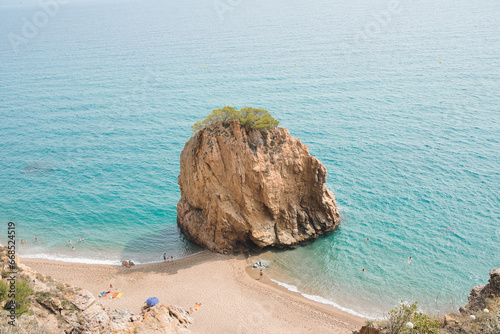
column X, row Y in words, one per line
column 97, row 100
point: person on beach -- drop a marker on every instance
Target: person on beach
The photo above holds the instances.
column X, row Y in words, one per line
column 171, row 258
column 110, row 286
column 73, row 248
column 165, row 257
column 36, row 239
column 261, row 273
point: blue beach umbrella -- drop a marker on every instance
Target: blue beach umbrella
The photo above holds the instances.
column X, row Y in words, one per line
column 152, row 301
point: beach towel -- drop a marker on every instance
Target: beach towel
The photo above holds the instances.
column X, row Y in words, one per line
column 118, row 295
column 115, row 294
column 104, row 294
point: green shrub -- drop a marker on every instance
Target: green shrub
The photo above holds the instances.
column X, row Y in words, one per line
column 404, row 313
column 248, row 117
column 425, row 324
column 4, row 288
column 22, row 298
column 42, row 295
column 66, row 304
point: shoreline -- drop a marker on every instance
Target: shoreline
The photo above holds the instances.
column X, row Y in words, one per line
column 93, row 261
column 233, row 299
column 280, row 286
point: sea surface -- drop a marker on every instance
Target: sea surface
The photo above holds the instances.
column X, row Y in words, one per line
column 399, row 100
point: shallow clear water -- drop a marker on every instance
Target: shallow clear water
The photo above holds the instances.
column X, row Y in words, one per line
column 98, row 99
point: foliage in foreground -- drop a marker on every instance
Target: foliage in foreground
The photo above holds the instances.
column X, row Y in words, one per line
column 22, row 296
column 400, row 316
column 249, row 117
column 4, row 291
column 486, row 321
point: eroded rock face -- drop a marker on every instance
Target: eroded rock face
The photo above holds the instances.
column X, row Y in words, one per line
column 245, row 188
column 82, row 300
column 164, row 319
column 61, row 308
column 479, row 294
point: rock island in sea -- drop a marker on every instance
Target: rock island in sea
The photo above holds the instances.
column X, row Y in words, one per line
column 246, row 183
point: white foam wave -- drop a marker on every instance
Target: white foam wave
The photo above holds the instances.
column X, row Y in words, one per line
column 286, row 286
column 322, row 300
column 63, row 258
column 70, row 259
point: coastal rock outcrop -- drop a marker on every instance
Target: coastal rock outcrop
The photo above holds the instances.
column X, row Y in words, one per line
column 53, row 307
column 480, row 315
column 479, row 295
column 164, row 319
column 245, row 188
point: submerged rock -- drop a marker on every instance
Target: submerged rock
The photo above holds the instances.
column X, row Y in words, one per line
column 37, row 168
column 247, row 188
column 261, row 264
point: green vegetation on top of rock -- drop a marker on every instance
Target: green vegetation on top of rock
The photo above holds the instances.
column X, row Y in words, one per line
column 249, row 117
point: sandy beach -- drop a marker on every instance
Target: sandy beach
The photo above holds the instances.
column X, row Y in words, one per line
column 234, row 299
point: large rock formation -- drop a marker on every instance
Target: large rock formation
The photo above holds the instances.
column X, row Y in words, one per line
column 245, row 188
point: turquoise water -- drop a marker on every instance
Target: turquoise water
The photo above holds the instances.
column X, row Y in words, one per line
column 97, row 100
